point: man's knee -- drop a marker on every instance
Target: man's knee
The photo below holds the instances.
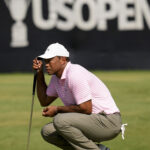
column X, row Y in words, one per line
column 61, row 121
column 44, row 131
column 47, row 130
column 50, row 135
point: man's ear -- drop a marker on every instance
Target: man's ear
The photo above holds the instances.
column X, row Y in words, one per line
column 63, row 59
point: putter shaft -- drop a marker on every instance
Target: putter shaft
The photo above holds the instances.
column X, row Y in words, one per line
column 30, row 121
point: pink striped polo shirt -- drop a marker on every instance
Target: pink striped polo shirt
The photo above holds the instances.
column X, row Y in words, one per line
column 78, row 85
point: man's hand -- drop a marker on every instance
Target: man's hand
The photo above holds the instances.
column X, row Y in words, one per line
column 49, row 111
column 37, row 65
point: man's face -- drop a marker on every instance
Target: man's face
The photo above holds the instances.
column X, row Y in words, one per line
column 53, row 65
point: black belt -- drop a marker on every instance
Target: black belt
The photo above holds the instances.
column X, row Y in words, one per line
column 117, row 113
column 103, row 113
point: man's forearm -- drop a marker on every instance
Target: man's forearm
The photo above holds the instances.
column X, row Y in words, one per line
column 41, row 87
column 85, row 108
column 71, row 108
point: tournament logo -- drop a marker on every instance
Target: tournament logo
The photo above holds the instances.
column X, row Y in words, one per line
column 18, row 11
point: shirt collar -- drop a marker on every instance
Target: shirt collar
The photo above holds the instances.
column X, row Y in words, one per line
column 65, row 71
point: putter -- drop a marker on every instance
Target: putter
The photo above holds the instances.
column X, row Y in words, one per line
column 30, row 121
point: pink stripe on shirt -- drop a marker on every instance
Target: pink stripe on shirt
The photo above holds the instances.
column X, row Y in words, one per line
column 78, row 85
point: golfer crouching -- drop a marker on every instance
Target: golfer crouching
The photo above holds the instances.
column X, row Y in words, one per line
column 89, row 114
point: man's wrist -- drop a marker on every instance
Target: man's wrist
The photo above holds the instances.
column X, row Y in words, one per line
column 59, row 109
column 56, row 109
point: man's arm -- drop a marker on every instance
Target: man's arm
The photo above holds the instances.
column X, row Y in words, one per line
column 41, row 91
column 85, row 108
column 41, row 84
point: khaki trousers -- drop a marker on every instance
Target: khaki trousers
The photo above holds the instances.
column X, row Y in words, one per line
column 80, row 131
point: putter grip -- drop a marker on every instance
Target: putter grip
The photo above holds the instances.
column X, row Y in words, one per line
column 34, row 83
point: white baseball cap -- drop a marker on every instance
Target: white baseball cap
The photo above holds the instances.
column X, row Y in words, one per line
column 53, row 50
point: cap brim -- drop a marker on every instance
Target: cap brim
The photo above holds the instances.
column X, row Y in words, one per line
column 44, row 57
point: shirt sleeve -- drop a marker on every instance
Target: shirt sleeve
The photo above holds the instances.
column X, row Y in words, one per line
column 80, row 88
column 51, row 90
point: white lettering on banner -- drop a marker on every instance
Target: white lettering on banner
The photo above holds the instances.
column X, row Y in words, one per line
column 38, row 19
column 80, row 22
column 99, row 14
column 145, row 10
column 67, row 14
column 139, row 12
column 124, row 23
column 105, row 15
